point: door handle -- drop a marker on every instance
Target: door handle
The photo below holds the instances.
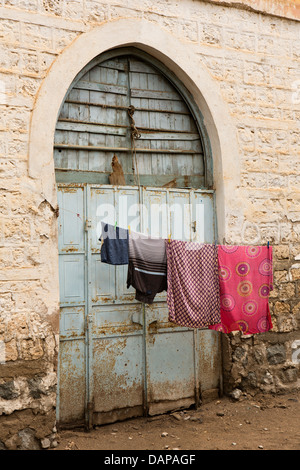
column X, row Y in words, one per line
column 136, row 318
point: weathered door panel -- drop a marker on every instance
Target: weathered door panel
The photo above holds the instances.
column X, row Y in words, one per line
column 209, row 363
column 171, row 381
column 72, row 269
column 118, row 357
column 203, row 214
column 180, row 207
column 117, row 362
column 102, row 282
column 72, row 385
column 127, row 204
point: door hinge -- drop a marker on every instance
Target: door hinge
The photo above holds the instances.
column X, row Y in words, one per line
column 88, row 224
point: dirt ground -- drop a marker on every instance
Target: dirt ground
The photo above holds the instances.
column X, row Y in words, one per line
column 251, row 423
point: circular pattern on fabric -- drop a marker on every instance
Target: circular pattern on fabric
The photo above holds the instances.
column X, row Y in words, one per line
column 243, row 268
column 263, row 324
column 227, row 302
column 264, row 291
column 265, row 267
column 243, row 326
column 229, row 248
column 224, row 273
column 250, row 307
column 244, row 288
column 253, row 251
column 221, row 327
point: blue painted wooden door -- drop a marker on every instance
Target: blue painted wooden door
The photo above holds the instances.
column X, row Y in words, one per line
column 118, row 357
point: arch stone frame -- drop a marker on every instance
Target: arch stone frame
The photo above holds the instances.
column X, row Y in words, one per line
column 184, row 64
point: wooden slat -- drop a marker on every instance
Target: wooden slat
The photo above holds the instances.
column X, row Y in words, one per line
column 104, row 88
column 91, row 128
column 146, row 130
column 136, row 65
column 79, row 127
column 123, row 149
column 172, row 181
column 125, row 108
column 93, row 123
column 114, row 65
column 166, row 135
column 154, row 94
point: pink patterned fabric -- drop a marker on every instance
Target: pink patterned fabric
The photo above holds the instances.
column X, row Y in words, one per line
column 246, row 279
column 193, row 286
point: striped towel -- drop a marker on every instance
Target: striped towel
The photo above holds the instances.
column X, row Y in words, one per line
column 147, row 267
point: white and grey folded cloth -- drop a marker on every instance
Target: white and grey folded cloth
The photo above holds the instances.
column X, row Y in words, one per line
column 147, row 267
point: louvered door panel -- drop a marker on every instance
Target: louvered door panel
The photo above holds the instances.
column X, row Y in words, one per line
column 94, row 125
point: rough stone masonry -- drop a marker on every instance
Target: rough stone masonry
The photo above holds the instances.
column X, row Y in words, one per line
column 252, row 54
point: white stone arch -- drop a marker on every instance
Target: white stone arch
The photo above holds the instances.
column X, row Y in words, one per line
column 180, row 58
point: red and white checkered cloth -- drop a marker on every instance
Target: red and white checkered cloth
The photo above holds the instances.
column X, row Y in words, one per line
column 193, row 295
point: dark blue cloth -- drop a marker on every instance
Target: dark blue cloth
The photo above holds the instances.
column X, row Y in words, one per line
column 114, row 249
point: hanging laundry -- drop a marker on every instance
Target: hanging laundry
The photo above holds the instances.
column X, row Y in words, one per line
column 193, row 287
column 114, row 249
column 246, row 279
column 147, row 268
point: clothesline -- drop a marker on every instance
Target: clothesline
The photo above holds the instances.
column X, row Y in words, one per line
column 223, row 287
column 169, row 237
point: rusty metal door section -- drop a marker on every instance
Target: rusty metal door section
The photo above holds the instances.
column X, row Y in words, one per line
column 118, row 357
column 182, row 364
column 71, row 402
column 116, row 334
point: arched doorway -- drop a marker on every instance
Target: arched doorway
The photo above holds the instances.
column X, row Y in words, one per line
column 120, row 358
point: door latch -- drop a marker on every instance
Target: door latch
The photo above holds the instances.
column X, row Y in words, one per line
column 194, row 226
column 88, row 224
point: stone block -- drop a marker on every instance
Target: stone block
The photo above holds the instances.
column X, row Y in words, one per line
column 295, row 272
column 10, row 60
column 288, row 375
column 280, row 276
column 31, row 349
column 30, row 63
column 281, row 251
column 276, row 354
column 10, row 352
column 28, row 441
column 210, row 34
column 287, row 291
column 242, row 41
column 256, row 73
column 8, row 391
column 188, row 30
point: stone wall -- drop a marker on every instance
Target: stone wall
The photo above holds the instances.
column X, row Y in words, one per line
column 253, row 60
